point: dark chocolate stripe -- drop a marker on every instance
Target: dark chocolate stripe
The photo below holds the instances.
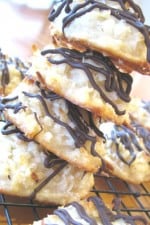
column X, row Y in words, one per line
column 82, row 128
column 107, row 217
column 52, row 160
column 4, row 104
column 82, row 213
column 17, row 106
column 78, row 135
column 89, row 5
column 9, row 129
column 8, row 99
column 47, row 94
column 21, row 67
column 4, row 67
column 137, row 10
column 5, row 71
column 75, row 115
column 128, row 139
column 115, row 80
column 143, row 133
column 131, row 219
column 94, row 127
column 65, row 217
column 50, row 177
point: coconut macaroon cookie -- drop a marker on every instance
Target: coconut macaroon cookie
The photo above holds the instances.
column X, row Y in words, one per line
column 87, row 79
column 115, row 28
column 28, row 170
column 54, row 123
column 89, row 211
column 12, row 71
column 126, row 153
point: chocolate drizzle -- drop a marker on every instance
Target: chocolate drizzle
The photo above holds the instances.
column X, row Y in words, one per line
column 16, row 107
column 21, row 67
column 66, row 217
column 51, row 161
column 82, row 127
column 128, row 138
column 9, row 129
column 115, row 80
column 82, row 213
column 137, row 10
column 50, row 177
column 135, row 19
column 94, row 127
column 77, row 134
column 105, row 215
column 5, row 62
column 47, row 94
column 143, row 133
column 5, row 72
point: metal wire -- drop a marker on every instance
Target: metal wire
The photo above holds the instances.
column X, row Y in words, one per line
column 105, row 187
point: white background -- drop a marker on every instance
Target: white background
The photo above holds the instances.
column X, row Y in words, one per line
column 145, row 5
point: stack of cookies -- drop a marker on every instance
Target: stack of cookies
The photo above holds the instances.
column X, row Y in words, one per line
column 95, row 47
column 72, row 115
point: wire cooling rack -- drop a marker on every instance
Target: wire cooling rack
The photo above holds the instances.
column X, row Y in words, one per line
column 135, row 200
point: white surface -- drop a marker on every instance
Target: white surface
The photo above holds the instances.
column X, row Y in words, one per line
column 145, row 5
column 40, row 4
